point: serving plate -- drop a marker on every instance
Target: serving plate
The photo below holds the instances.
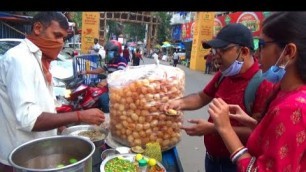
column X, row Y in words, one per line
column 127, row 156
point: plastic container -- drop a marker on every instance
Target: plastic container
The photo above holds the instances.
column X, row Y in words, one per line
column 143, row 165
column 136, row 96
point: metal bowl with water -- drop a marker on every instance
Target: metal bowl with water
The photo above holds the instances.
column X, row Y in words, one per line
column 98, row 142
column 46, row 154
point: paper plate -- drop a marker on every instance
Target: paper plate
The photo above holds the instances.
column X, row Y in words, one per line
column 128, row 156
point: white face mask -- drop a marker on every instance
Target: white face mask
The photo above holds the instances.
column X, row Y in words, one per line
column 234, row 68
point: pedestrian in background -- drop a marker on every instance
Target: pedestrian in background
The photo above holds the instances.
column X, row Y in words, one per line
column 126, row 54
column 208, row 62
column 175, row 58
column 96, row 47
column 278, row 142
column 137, row 57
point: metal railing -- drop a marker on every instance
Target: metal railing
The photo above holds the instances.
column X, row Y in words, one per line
column 87, row 62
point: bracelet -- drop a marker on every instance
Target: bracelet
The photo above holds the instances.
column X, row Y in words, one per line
column 239, row 154
column 79, row 118
column 237, row 150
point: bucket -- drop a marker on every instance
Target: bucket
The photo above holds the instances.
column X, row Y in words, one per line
column 54, row 154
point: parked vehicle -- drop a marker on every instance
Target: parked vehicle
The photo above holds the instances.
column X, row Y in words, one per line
column 72, row 49
column 8, row 43
column 80, row 96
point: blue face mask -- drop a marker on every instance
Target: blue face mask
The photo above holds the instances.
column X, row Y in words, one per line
column 234, row 68
column 275, row 73
column 110, row 55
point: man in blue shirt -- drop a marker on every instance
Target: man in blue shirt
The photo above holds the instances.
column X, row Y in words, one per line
column 115, row 62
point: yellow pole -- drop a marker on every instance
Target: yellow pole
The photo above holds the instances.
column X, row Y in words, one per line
column 203, row 30
column 90, row 30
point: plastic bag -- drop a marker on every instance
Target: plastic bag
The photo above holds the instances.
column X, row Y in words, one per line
column 136, row 96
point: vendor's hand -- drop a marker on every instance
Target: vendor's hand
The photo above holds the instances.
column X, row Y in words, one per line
column 61, row 129
column 201, row 127
column 219, row 112
column 172, row 104
column 103, row 83
column 238, row 114
column 92, row 116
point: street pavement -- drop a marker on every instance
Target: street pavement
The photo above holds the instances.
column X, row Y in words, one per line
column 191, row 149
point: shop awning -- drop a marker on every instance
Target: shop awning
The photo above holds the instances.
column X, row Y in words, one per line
column 13, row 17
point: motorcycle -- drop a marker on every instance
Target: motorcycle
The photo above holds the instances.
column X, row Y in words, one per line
column 80, row 96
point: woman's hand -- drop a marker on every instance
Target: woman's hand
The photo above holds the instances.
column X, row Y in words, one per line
column 238, row 114
column 219, row 112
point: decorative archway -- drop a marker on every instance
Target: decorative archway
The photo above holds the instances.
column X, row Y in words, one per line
column 131, row 17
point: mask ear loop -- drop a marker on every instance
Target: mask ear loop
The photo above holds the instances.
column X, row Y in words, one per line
column 239, row 56
column 276, row 64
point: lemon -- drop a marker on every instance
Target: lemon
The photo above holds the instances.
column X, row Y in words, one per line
column 73, row 160
column 152, row 162
column 138, row 157
column 60, row 166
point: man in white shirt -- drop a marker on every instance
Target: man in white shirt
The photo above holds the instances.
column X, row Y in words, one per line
column 175, row 58
column 27, row 107
column 96, row 47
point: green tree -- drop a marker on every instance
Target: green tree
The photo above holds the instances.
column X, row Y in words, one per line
column 163, row 32
column 113, row 29
column 78, row 19
column 135, row 31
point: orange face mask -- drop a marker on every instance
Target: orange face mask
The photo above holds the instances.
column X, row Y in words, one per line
column 50, row 50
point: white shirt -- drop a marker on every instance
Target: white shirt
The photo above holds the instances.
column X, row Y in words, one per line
column 97, row 46
column 24, row 95
column 175, row 56
column 155, row 56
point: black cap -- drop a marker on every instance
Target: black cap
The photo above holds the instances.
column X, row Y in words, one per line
column 231, row 34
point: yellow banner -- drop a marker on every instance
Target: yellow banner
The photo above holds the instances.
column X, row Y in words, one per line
column 90, row 30
column 203, row 30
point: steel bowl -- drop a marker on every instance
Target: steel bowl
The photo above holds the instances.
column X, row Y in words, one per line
column 47, row 153
column 75, row 130
column 109, row 152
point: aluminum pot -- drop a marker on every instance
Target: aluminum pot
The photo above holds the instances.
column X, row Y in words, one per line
column 46, row 154
column 75, row 130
